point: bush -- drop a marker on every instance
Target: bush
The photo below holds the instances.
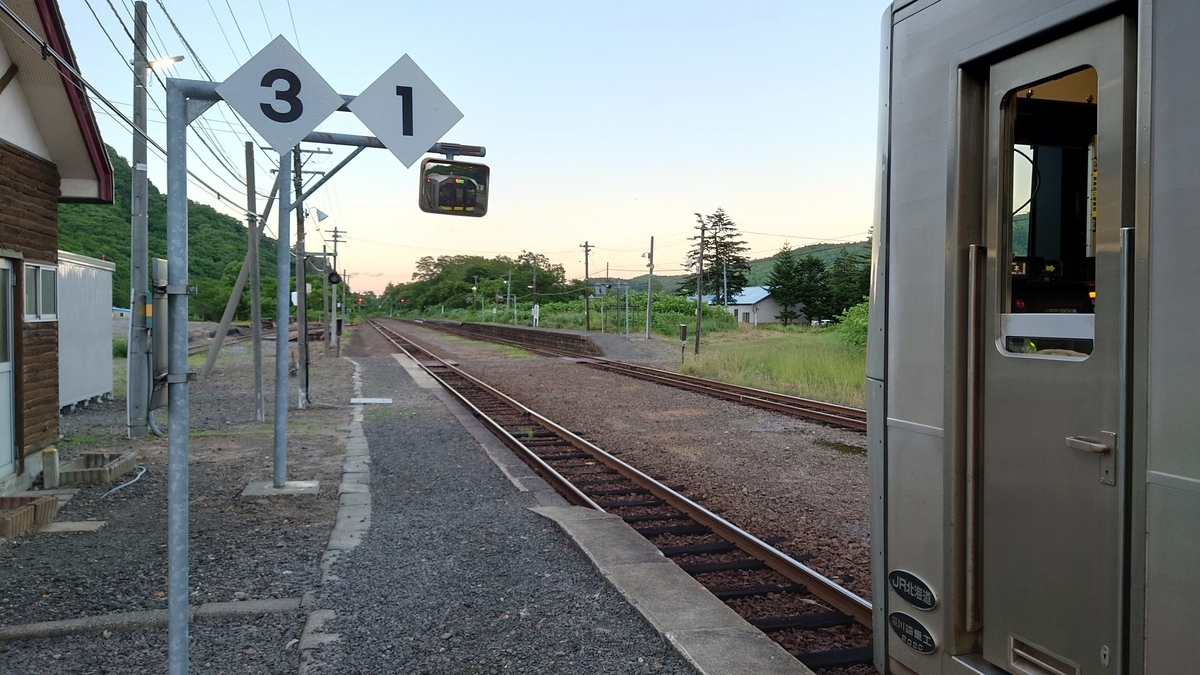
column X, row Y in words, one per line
column 852, row 324
column 120, row 347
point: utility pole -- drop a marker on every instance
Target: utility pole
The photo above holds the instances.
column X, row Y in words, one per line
column 626, row 309
column 699, row 283
column 137, row 399
column 649, row 287
column 301, row 295
column 509, row 299
column 255, row 290
column 725, row 284
column 325, row 296
column 587, row 296
column 337, row 340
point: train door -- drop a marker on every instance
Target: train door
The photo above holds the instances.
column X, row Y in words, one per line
column 1051, row 356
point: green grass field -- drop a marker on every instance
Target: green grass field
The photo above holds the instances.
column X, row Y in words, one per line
column 813, row 363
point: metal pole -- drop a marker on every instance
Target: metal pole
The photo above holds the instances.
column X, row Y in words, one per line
column 649, row 288
column 177, row 382
column 626, row 309
column 235, row 297
column 325, row 296
column 138, row 375
column 255, row 289
column 283, row 276
column 700, row 284
column 301, row 288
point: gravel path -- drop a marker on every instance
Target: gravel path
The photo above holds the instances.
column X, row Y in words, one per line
column 239, row 549
column 772, row 474
column 455, row 575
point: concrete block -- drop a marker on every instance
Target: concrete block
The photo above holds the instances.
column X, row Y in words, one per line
column 72, row 526
column 266, row 488
column 354, row 498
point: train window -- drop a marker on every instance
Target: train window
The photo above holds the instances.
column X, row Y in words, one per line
column 1051, row 220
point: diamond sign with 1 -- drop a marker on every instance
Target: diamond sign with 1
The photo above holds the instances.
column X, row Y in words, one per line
column 280, row 95
column 406, row 110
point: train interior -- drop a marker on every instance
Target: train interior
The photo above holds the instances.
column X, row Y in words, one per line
column 1052, row 228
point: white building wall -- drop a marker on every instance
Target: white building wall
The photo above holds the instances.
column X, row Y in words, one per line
column 17, row 125
column 85, row 356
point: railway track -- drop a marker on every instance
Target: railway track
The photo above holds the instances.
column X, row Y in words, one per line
column 821, row 623
column 821, row 411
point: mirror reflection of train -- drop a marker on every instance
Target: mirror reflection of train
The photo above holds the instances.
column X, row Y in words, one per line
column 451, row 193
column 1031, row 386
column 454, row 188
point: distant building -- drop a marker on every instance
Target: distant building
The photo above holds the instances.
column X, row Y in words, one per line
column 50, row 152
column 754, row 305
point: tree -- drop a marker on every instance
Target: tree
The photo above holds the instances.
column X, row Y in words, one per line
column 725, row 263
column 849, row 281
column 813, row 287
column 783, row 283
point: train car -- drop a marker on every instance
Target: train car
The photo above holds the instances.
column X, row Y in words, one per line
column 1032, row 370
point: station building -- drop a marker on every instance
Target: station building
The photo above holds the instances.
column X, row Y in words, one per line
column 50, row 152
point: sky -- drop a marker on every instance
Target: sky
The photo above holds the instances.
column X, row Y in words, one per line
column 606, row 122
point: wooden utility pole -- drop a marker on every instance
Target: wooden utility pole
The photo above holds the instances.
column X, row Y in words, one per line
column 699, row 283
column 649, row 286
column 139, row 376
column 587, row 291
column 301, row 295
column 255, row 290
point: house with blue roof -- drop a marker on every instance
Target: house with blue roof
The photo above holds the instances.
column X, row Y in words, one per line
column 754, row 305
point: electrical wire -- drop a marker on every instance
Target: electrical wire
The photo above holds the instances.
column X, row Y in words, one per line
column 203, row 69
column 239, row 28
column 264, row 15
column 155, row 102
column 294, row 31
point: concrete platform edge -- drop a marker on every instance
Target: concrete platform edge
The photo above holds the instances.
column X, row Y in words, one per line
column 706, row 632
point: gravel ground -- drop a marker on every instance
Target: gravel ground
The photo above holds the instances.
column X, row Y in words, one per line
column 772, row 474
column 455, row 575
column 239, row 549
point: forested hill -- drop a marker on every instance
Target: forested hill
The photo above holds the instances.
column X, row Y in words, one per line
column 216, row 242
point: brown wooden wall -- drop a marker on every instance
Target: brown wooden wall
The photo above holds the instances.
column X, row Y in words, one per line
column 29, row 225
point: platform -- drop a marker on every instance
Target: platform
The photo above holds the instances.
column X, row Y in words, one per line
column 469, row 562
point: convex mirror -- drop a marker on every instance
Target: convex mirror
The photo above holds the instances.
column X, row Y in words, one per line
column 454, row 188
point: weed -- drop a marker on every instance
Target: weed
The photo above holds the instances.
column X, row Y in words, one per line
column 813, row 363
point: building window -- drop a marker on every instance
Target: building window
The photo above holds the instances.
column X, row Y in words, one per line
column 41, row 293
column 745, row 317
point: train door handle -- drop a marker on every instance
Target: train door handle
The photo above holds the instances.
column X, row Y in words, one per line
column 1088, row 444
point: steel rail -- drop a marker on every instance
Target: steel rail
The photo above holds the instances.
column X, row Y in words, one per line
column 819, row 585
column 831, row 413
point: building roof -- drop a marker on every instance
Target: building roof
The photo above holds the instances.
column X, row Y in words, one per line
column 751, row 295
column 57, row 101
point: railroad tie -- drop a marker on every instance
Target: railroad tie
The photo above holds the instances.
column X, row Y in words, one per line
column 838, row 658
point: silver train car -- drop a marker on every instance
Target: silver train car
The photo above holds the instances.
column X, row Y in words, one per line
column 1033, row 372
